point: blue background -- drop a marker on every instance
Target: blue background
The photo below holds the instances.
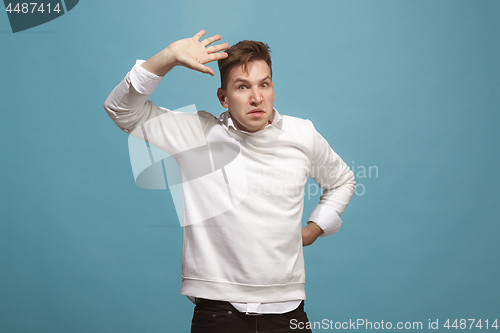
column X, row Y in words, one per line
column 409, row 87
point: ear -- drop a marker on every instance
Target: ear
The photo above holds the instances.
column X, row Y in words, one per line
column 221, row 95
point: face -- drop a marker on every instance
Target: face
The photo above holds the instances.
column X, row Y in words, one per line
column 249, row 96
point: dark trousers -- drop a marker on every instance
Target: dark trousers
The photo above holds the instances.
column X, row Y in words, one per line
column 221, row 317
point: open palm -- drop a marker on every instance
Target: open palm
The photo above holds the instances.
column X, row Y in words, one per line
column 194, row 54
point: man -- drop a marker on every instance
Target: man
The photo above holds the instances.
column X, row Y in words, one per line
column 243, row 176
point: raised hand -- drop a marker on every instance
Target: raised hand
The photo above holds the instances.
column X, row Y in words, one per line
column 189, row 52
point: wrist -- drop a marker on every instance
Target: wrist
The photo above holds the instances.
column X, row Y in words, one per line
column 169, row 57
column 160, row 63
column 313, row 229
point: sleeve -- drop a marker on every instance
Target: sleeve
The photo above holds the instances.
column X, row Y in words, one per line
column 128, row 104
column 337, row 181
column 174, row 132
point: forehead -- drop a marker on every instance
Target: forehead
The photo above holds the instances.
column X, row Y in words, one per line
column 257, row 70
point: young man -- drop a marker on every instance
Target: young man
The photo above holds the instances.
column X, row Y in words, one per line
column 243, row 176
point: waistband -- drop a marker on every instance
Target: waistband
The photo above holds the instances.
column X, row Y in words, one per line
column 209, row 303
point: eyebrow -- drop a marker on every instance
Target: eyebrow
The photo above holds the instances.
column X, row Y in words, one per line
column 242, row 79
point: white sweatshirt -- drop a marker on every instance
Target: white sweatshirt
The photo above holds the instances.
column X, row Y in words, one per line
column 243, row 193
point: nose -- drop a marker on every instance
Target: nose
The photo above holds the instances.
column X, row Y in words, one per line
column 256, row 97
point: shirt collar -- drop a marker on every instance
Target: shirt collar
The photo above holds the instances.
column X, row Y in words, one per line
column 225, row 118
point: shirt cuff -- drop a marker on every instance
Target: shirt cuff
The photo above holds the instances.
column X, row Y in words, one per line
column 326, row 218
column 143, row 81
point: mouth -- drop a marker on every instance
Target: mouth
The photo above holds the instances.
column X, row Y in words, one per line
column 256, row 112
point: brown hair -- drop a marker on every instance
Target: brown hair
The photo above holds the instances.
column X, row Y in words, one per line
column 241, row 54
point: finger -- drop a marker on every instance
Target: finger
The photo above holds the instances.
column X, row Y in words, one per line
column 210, row 40
column 216, row 56
column 200, row 67
column 217, row 48
column 200, row 34
column 205, row 69
column 209, row 71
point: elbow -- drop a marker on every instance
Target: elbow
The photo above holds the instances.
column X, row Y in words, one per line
column 110, row 107
column 107, row 105
column 116, row 114
column 351, row 183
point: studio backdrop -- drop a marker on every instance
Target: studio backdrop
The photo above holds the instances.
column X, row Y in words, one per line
column 407, row 92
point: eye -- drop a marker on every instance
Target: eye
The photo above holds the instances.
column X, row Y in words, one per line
column 242, row 87
column 265, row 85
